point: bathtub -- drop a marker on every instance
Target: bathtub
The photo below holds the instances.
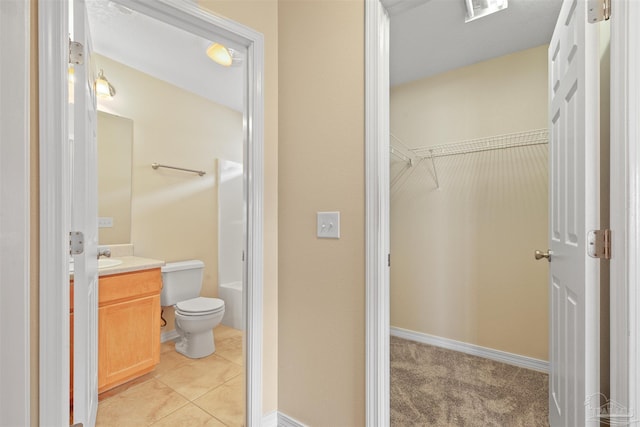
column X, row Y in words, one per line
column 231, row 294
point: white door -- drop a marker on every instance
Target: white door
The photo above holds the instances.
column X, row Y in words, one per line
column 574, row 201
column 84, row 218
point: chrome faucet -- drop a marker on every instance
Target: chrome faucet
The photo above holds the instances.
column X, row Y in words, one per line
column 106, row 252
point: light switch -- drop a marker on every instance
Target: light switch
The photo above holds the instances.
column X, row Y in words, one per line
column 329, row 225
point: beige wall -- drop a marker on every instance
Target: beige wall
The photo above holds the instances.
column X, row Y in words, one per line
column 174, row 215
column 463, row 265
column 262, row 16
column 321, row 166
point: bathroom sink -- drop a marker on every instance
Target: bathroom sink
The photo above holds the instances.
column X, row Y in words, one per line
column 108, row 262
column 102, row 263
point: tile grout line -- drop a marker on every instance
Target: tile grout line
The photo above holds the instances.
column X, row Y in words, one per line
column 215, row 388
column 160, row 379
column 170, row 413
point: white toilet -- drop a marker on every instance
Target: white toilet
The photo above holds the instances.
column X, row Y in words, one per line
column 195, row 316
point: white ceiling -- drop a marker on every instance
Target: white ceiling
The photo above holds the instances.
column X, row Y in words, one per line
column 428, row 37
column 164, row 52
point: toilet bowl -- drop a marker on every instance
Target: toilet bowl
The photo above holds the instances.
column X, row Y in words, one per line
column 195, row 316
column 195, row 320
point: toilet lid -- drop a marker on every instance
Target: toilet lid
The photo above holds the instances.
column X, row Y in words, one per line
column 200, row 305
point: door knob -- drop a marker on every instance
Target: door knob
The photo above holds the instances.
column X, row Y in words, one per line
column 539, row 255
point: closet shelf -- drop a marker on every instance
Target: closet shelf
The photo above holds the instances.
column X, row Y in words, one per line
column 396, row 152
column 413, row 156
column 400, row 150
column 500, row 142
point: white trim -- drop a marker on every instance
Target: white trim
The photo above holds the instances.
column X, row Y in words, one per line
column 270, row 419
column 169, row 335
column 472, row 349
column 253, row 297
column 54, row 303
column 286, row 421
column 377, row 213
column 625, row 204
column 278, row 419
column 14, row 221
column 54, row 213
column 397, row 7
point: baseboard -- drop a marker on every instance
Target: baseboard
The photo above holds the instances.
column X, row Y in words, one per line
column 270, row 419
column 287, row 421
column 169, row 335
column 278, row 419
column 475, row 350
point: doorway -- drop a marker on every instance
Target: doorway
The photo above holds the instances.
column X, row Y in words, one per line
column 377, row 240
column 54, row 297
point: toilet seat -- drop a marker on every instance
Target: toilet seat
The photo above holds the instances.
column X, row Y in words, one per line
column 200, row 306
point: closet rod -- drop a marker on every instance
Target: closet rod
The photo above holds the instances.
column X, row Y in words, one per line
column 500, row 142
column 157, row 165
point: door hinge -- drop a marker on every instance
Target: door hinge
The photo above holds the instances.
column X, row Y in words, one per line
column 76, row 53
column 599, row 10
column 599, row 244
column 76, row 242
column 389, row 260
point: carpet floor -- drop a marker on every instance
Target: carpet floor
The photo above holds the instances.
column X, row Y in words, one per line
column 431, row 386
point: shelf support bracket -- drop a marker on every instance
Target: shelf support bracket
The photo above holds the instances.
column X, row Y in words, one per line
column 435, row 170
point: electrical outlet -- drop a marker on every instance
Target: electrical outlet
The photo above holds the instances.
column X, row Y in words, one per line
column 328, row 225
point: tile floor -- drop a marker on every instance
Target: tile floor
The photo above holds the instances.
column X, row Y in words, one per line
column 181, row 391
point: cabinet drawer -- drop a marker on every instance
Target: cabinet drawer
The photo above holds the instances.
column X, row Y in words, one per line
column 135, row 284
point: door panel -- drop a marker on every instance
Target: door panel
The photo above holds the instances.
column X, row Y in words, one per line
column 84, row 218
column 573, row 211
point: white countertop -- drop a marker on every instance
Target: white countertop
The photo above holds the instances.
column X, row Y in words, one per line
column 131, row 263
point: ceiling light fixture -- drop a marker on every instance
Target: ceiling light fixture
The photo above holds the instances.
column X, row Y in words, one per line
column 220, row 54
column 104, row 89
column 481, row 8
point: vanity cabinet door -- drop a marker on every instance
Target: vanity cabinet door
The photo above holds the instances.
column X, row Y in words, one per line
column 128, row 327
column 129, row 340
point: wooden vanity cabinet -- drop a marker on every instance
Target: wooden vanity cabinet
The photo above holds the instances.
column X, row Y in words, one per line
column 128, row 326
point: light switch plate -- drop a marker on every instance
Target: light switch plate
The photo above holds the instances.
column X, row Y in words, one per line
column 329, row 225
column 105, row 222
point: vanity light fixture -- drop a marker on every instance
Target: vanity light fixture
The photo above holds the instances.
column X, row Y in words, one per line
column 104, row 89
column 481, row 8
column 220, row 54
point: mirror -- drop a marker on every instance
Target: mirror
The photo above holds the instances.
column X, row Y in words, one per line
column 115, row 145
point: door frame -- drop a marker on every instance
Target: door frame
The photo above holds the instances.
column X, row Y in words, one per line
column 377, row 256
column 55, row 194
column 624, row 207
column 15, row 189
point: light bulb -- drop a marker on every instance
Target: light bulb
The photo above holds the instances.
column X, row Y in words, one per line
column 219, row 54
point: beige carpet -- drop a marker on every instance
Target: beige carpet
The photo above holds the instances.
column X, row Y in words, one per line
column 431, row 386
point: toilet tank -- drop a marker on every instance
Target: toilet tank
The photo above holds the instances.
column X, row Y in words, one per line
column 181, row 281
